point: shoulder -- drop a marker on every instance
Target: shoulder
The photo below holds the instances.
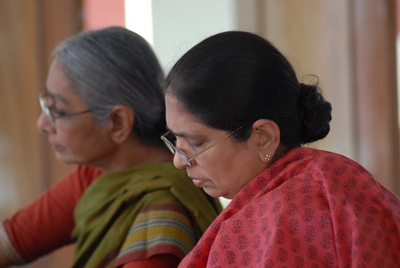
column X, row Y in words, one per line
column 87, row 173
column 79, row 179
column 161, row 198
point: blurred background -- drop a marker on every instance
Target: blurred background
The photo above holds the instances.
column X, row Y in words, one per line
column 349, row 44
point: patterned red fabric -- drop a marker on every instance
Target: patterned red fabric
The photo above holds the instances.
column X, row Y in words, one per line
column 310, row 208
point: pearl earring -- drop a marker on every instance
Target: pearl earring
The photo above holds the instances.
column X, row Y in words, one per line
column 267, row 157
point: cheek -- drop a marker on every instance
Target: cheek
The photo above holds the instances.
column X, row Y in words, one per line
column 81, row 138
column 228, row 169
column 73, row 143
column 85, row 149
column 219, row 171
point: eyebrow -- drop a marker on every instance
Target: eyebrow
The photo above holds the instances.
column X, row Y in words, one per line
column 185, row 135
column 55, row 96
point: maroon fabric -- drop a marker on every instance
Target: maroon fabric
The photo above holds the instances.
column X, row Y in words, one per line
column 310, row 208
column 158, row 261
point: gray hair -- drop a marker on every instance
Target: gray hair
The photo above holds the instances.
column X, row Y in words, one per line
column 115, row 66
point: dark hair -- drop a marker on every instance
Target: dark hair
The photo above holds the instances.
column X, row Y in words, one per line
column 234, row 78
column 114, row 66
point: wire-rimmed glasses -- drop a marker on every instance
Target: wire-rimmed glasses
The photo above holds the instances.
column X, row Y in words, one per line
column 52, row 116
column 186, row 159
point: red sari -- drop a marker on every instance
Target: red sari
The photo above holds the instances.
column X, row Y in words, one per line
column 310, row 208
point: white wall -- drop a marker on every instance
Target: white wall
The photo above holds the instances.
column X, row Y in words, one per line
column 180, row 24
column 177, row 25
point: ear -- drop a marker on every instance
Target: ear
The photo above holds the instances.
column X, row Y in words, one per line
column 267, row 134
column 121, row 123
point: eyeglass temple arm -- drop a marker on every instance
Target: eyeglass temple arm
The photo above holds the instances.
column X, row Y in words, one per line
column 208, row 147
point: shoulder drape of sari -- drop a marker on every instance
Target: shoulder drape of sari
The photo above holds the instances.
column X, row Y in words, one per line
column 108, row 208
column 309, row 209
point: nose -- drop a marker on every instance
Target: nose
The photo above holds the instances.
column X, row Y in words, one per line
column 44, row 125
column 179, row 162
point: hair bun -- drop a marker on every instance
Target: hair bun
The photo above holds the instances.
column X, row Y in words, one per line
column 314, row 114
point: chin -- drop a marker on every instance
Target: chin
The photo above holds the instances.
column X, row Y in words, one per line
column 215, row 192
column 67, row 162
column 65, row 159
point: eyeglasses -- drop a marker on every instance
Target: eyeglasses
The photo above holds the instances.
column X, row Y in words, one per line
column 43, row 99
column 185, row 158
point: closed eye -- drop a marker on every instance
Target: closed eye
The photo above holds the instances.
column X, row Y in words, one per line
column 195, row 144
column 57, row 113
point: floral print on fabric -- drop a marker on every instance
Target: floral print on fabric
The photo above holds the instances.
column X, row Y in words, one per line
column 311, row 208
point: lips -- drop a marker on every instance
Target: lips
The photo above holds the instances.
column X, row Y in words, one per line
column 198, row 183
column 57, row 147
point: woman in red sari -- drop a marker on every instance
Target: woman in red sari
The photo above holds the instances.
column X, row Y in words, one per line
column 238, row 118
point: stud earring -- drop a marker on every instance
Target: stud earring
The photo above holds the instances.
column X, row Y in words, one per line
column 267, row 157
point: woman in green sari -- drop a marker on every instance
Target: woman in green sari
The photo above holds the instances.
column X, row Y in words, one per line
column 103, row 110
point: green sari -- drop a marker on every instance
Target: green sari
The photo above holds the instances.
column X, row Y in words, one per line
column 122, row 209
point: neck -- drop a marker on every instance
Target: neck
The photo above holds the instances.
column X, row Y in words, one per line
column 131, row 154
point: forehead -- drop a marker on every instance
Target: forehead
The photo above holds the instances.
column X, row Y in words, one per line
column 179, row 120
column 58, row 86
column 57, row 77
